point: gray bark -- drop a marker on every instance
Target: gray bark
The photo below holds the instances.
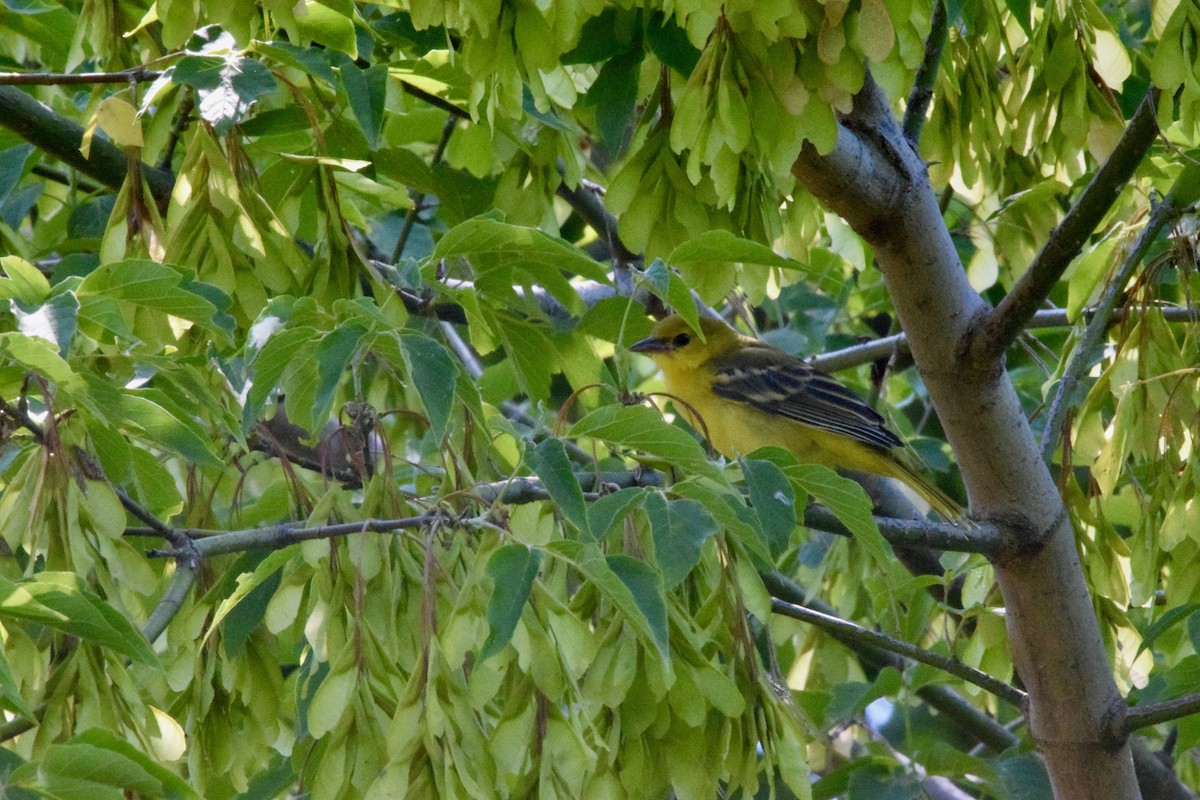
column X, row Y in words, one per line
column 878, row 183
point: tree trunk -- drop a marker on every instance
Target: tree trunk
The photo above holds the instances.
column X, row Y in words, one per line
column 878, row 183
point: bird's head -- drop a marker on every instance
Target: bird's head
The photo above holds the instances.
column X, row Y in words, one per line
column 672, row 341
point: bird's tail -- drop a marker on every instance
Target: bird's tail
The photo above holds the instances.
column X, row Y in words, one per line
column 942, row 504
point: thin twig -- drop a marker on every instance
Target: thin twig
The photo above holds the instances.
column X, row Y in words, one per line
column 58, row 176
column 1154, row 713
column 1013, row 313
column 948, row 702
column 1093, row 335
column 875, row 349
column 278, row 536
column 68, row 78
column 922, row 90
column 418, row 198
column 853, row 632
column 434, row 100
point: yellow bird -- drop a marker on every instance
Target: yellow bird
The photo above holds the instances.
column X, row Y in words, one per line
column 744, row 394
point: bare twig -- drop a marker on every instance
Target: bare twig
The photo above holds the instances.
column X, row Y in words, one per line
column 434, row 100
column 1046, row 318
column 418, row 198
column 948, row 702
column 922, row 90
column 850, row 631
column 137, row 75
column 1154, row 713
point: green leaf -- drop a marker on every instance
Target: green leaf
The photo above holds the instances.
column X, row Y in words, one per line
column 269, row 365
column 55, row 321
column 434, row 374
column 512, row 569
column 97, row 764
column 334, row 353
column 24, row 283
column 404, row 166
column 646, row 588
column 327, row 27
column 10, row 693
column 643, row 428
column 531, row 353
column 87, row 616
column 722, row 246
column 157, row 286
column 226, row 86
column 649, row 623
column 308, row 60
column 366, row 90
column 177, row 436
column 500, row 252
column 549, row 460
column 1173, row 617
column 670, row 288
column 606, row 512
column 16, row 602
column 38, row 355
column 670, row 43
column 613, row 95
column 848, row 502
column 260, row 585
column 773, row 501
column 680, row 528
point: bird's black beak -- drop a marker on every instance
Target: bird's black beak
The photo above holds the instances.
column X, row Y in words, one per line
column 650, row 345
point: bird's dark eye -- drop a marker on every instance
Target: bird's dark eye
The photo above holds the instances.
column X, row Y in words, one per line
column 681, row 340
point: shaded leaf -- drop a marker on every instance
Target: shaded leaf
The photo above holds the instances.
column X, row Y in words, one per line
column 87, row 616
column 434, row 374
column 680, row 528
column 512, row 569
column 549, row 460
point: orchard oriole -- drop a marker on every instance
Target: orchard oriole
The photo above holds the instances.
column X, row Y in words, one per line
column 744, row 394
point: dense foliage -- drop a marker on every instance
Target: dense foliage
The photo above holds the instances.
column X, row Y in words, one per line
column 321, row 467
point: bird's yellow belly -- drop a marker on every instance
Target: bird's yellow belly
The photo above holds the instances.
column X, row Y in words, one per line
column 740, row 429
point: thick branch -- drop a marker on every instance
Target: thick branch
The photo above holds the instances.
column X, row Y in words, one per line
column 1065, row 242
column 587, row 205
column 1057, row 647
column 61, row 138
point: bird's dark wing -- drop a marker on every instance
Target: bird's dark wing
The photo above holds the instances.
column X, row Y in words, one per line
column 777, row 383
